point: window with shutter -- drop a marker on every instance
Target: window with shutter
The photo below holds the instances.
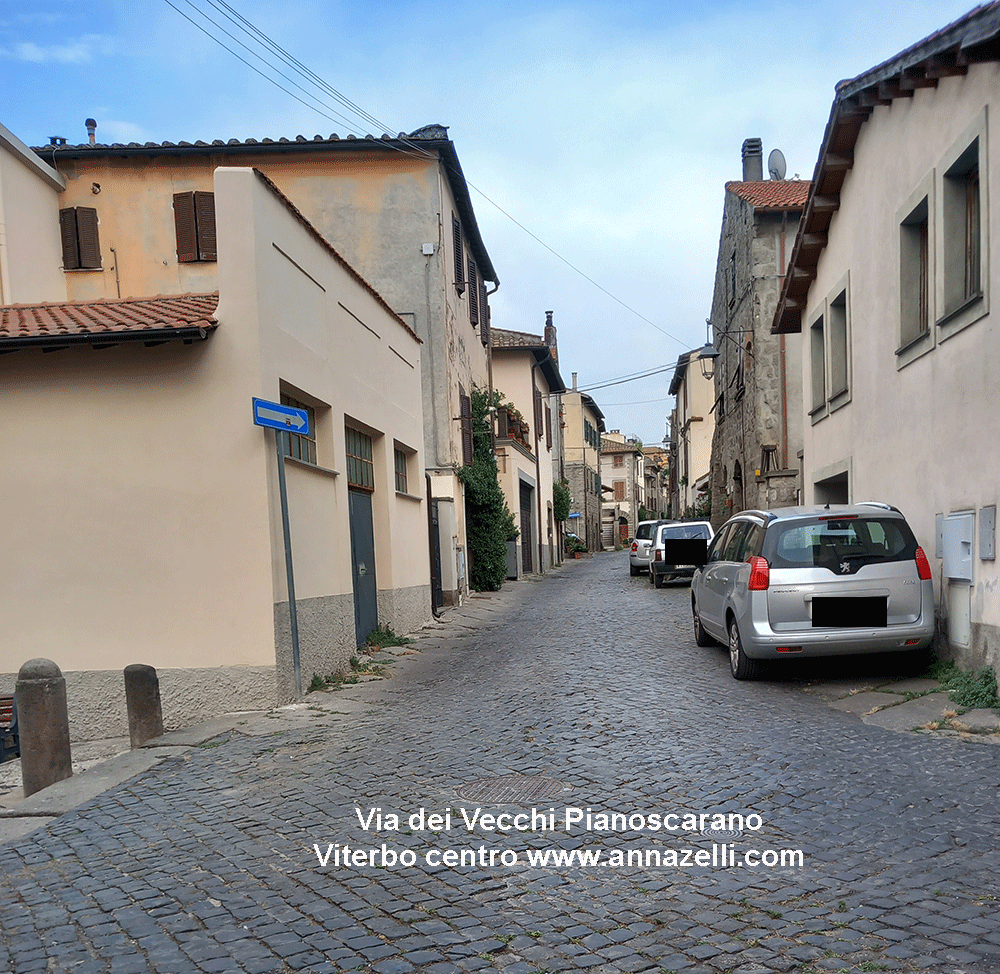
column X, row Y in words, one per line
column 465, row 402
column 473, row 293
column 456, row 235
column 81, row 247
column 194, row 221
column 503, row 423
column 548, row 427
column 538, row 414
column 484, row 317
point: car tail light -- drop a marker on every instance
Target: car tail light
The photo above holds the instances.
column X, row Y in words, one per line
column 911, row 642
column 635, row 545
column 923, row 565
column 658, row 556
column 760, row 574
column 788, row 649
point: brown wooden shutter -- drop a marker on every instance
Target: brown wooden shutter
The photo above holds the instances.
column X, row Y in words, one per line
column 538, row 415
column 466, row 413
column 503, row 423
column 184, row 224
column 473, row 293
column 70, row 244
column 86, row 231
column 204, row 211
column 484, row 315
column 548, row 426
column 456, row 234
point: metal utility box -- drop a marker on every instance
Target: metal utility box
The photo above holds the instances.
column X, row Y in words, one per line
column 957, row 546
column 988, row 533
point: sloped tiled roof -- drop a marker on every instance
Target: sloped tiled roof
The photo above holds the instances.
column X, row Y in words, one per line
column 163, row 318
column 772, row 194
column 502, row 338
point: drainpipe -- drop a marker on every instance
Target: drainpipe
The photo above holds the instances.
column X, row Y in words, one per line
column 538, row 456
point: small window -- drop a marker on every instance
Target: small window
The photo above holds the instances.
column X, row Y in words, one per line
column 838, row 345
column 914, row 278
column 962, row 230
column 456, row 236
column 473, row 293
column 81, row 248
column 618, row 460
column 299, row 446
column 360, row 466
column 818, row 363
column 399, row 458
column 465, row 412
column 194, row 221
column 619, row 490
column 484, row 314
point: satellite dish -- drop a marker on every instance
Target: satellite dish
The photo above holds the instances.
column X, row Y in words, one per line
column 776, row 164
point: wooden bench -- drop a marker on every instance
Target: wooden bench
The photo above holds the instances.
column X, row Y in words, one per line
column 10, row 743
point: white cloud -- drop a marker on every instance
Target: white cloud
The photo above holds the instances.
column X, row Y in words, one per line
column 83, row 50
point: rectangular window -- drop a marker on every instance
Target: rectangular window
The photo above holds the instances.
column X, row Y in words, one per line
column 399, row 458
column 914, row 275
column 456, row 237
column 618, row 460
column 194, row 222
column 548, row 426
column 538, row 414
column 962, row 230
column 484, row 315
column 81, row 248
column 838, row 345
column 301, row 447
column 473, row 293
column 360, row 466
column 818, row 363
column 465, row 412
column 619, row 490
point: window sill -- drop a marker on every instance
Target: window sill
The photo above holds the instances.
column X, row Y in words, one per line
column 326, row 471
column 817, row 413
column 409, row 497
column 82, row 270
column 839, row 399
column 913, row 349
column 961, row 317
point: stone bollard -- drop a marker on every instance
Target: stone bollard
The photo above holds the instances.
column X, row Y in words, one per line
column 43, row 722
column 142, row 697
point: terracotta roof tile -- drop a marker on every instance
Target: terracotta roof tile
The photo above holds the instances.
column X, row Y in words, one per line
column 773, row 194
column 515, row 339
column 75, row 320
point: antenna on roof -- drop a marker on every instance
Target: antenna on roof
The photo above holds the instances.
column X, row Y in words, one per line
column 776, row 164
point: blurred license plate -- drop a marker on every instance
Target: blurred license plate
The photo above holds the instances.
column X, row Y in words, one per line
column 850, row 612
column 684, row 551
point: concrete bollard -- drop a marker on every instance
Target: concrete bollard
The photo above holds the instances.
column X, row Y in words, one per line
column 142, row 697
column 43, row 721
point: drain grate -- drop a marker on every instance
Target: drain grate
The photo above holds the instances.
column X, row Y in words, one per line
column 509, row 788
column 723, row 835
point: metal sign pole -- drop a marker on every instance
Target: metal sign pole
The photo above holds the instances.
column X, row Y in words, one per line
column 282, row 439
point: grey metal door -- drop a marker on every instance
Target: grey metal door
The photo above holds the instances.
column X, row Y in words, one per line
column 363, row 564
column 526, row 495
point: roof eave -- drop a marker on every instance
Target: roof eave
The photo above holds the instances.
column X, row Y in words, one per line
column 103, row 339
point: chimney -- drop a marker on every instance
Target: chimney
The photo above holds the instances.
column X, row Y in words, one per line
column 550, row 334
column 753, row 160
column 574, row 382
column 91, row 130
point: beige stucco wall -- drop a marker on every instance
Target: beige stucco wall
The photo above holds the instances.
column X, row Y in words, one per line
column 30, row 250
column 514, row 376
column 695, row 399
column 921, row 436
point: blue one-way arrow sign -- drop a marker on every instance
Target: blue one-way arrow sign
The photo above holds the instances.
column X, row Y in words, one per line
column 280, row 417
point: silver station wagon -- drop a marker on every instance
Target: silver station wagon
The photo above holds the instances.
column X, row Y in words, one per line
column 813, row 581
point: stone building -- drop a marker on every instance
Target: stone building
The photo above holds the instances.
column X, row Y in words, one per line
column 621, row 472
column 757, row 443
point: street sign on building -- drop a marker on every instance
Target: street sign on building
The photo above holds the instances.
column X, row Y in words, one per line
column 276, row 416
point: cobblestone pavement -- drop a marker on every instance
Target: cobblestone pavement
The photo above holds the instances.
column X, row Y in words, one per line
column 590, row 678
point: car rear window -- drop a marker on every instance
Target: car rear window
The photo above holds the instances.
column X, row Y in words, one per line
column 827, row 542
column 686, row 531
column 643, row 532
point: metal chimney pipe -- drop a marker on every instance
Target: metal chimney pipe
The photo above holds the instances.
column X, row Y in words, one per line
column 753, row 160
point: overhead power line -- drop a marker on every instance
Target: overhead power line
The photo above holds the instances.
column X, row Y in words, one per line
column 326, row 91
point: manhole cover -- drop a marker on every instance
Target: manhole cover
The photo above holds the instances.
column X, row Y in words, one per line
column 509, row 788
column 724, row 835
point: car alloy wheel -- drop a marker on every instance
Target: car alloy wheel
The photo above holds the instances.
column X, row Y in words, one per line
column 742, row 667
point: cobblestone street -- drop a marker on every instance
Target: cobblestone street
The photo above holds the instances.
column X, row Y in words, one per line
column 588, row 677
